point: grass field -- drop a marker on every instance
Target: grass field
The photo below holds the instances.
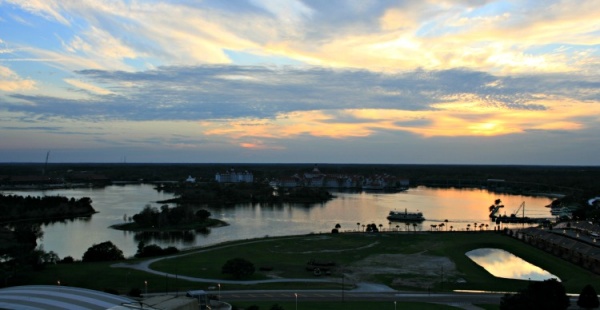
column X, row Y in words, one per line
column 288, row 256
column 352, row 252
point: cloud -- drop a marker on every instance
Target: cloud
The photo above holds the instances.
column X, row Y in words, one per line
column 226, row 92
column 258, row 108
column 88, row 87
column 46, row 8
column 395, row 37
column 11, row 82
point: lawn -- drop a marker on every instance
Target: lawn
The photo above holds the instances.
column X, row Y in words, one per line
column 287, row 257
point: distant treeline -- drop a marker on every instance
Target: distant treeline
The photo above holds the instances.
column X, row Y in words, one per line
column 14, row 207
column 582, row 177
column 229, row 194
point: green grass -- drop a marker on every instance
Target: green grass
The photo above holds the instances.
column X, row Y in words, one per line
column 100, row 276
column 353, row 305
column 288, row 256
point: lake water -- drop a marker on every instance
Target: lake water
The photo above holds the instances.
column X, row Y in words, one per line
column 459, row 206
column 503, row 264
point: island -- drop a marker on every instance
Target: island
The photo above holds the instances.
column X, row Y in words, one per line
column 180, row 218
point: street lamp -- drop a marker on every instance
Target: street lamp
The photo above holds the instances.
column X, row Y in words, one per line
column 219, row 285
column 394, row 305
column 296, row 295
column 146, row 286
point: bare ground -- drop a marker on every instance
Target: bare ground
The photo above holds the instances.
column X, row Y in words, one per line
column 411, row 270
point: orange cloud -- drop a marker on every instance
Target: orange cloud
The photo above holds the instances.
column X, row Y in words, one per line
column 453, row 119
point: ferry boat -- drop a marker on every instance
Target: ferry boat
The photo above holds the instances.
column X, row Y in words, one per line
column 405, row 216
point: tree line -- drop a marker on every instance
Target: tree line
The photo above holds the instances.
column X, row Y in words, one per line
column 15, row 207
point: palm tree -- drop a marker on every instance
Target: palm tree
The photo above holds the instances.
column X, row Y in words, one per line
column 487, row 226
column 380, row 227
column 363, row 225
column 407, row 225
column 446, row 222
column 397, row 227
column 433, row 226
column 357, row 226
column 451, row 227
column 338, row 226
column 414, row 227
column 468, row 226
column 441, row 225
column 390, row 225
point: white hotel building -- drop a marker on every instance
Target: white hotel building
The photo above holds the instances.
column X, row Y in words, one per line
column 234, row 177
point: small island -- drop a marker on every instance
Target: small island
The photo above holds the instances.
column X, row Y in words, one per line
column 180, row 218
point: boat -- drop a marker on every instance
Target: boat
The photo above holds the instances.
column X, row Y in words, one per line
column 405, row 216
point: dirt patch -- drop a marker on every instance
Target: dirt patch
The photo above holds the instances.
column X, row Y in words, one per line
column 414, row 270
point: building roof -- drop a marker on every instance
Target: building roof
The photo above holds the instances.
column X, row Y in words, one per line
column 55, row 297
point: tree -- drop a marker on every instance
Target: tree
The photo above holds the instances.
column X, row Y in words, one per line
column 105, row 251
column 588, row 299
column 238, row 268
column 203, row 214
column 548, row 294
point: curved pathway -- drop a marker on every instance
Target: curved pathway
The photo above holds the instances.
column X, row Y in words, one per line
column 145, row 266
column 362, row 291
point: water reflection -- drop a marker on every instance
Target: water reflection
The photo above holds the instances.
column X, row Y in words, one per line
column 185, row 237
column 503, row 264
column 352, row 210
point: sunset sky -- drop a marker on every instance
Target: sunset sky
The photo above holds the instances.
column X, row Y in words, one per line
column 408, row 82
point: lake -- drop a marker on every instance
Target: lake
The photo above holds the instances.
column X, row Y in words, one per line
column 459, row 206
column 503, row 264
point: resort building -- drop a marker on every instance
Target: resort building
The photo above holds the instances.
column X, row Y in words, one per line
column 315, row 178
column 232, row 176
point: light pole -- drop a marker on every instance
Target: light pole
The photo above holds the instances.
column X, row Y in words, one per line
column 394, row 305
column 219, row 285
column 296, row 295
column 146, row 286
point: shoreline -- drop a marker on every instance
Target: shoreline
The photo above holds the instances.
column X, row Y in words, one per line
column 215, row 223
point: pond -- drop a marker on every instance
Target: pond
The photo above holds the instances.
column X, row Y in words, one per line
column 503, row 264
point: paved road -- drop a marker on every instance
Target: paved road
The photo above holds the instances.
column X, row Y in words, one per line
column 330, row 295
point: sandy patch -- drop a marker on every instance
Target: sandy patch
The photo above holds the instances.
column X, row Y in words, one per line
column 414, row 270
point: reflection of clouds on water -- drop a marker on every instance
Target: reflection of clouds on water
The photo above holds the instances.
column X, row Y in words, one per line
column 503, row 264
column 459, row 206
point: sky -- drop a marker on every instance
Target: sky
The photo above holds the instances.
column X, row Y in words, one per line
column 299, row 81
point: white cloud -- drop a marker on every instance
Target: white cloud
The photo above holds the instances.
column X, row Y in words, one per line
column 47, row 8
column 11, row 82
column 88, row 87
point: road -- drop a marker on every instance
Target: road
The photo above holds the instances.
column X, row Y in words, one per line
column 330, row 295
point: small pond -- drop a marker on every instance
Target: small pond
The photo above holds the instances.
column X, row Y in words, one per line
column 503, row 264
